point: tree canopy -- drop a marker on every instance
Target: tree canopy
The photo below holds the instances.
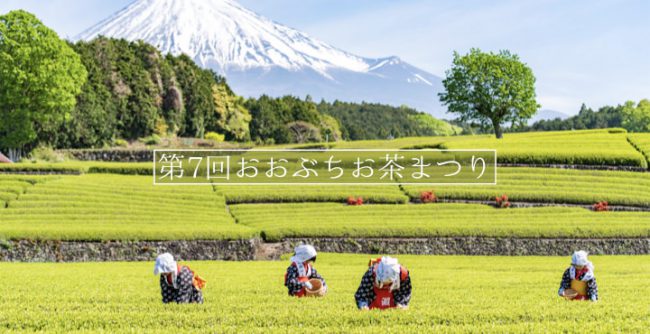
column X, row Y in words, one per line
column 40, row 78
column 101, row 92
column 490, row 88
column 359, row 121
column 637, row 118
column 634, row 117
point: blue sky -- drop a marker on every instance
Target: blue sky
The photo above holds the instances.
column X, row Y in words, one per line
column 596, row 52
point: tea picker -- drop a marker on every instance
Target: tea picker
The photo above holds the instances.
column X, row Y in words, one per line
column 178, row 284
column 386, row 284
column 301, row 278
column 578, row 281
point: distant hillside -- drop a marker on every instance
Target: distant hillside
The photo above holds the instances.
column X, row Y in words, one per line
column 547, row 115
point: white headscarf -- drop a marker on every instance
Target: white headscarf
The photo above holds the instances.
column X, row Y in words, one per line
column 388, row 269
column 165, row 264
column 303, row 254
column 579, row 258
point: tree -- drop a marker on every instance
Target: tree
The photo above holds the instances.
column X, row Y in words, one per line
column 490, row 88
column 271, row 118
column 196, row 85
column 233, row 118
column 92, row 123
column 40, row 77
column 361, row 121
column 303, row 132
column 431, row 126
column 330, row 128
column 636, row 119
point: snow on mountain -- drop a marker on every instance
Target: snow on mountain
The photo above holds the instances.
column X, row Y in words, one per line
column 259, row 56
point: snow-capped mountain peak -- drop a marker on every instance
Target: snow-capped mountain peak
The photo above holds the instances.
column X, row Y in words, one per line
column 222, row 34
column 259, row 56
column 393, row 60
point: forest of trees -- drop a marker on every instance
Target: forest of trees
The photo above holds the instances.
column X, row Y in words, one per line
column 376, row 121
column 290, row 120
column 634, row 117
column 133, row 91
column 97, row 93
column 117, row 91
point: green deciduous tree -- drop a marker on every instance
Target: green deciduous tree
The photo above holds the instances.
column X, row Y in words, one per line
column 232, row 117
column 432, row 126
column 40, row 76
column 331, row 128
column 490, row 88
column 636, row 118
column 271, row 117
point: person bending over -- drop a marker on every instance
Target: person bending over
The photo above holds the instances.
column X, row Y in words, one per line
column 386, row 284
column 178, row 284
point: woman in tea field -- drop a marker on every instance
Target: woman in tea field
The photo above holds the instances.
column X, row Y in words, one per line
column 578, row 281
column 301, row 276
column 178, row 284
column 386, row 284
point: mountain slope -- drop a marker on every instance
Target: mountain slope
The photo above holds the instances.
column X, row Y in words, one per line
column 547, row 114
column 259, row 56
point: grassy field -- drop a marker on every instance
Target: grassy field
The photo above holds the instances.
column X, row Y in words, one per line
column 450, row 294
column 311, row 193
column 13, row 186
column 81, row 167
column 72, row 167
column 606, row 147
column 100, row 204
column 117, row 207
column 585, row 147
column 124, row 207
column 337, row 220
column 590, row 147
column 543, row 185
column 546, row 185
column 641, row 141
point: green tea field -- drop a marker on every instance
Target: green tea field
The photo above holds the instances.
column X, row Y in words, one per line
column 454, row 294
column 92, row 203
column 241, row 166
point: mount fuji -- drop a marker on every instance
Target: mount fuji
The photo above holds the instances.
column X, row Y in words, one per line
column 259, row 56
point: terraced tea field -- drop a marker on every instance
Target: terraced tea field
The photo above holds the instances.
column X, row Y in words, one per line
column 641, row 141
column 81, row 167
column 606, row 147
column 277, row 221
column 546, row 185
column 591, row 147
column 311, row 193
column 587, row 147
column 450, row 294
column 115, row 207
column 13, row 186
column 124, row 207
column 540, row 185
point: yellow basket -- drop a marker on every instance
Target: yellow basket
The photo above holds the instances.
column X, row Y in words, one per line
column 317, row 288
column 570, row 294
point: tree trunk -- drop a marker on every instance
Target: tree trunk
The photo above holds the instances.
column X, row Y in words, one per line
column 497, row 129
column 11, row 154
